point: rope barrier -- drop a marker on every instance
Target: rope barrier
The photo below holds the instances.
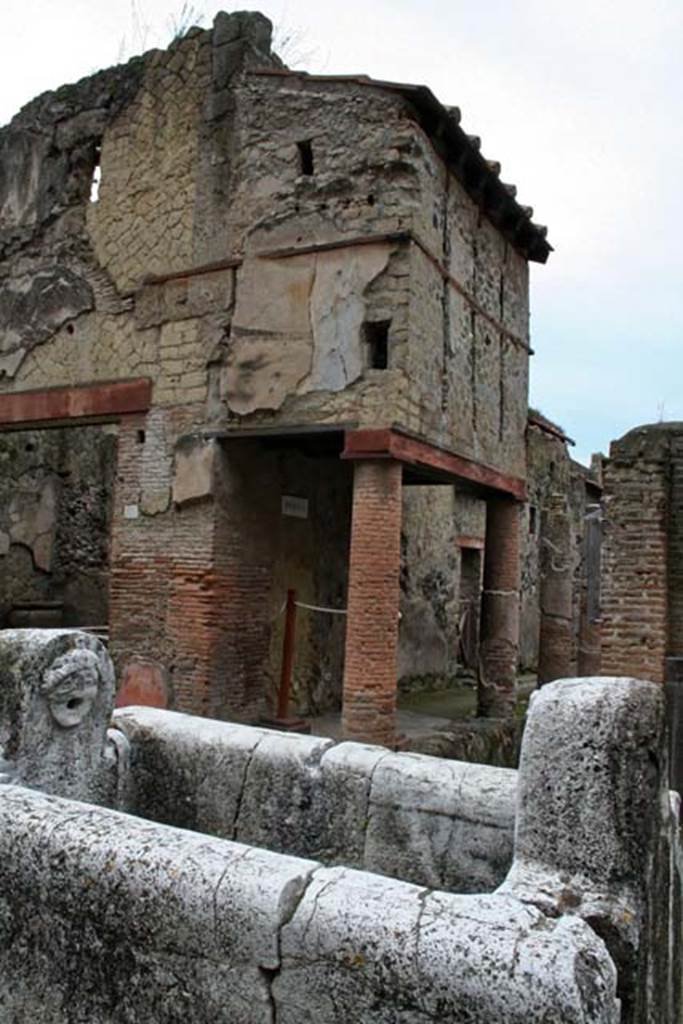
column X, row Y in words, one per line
column 319, row 608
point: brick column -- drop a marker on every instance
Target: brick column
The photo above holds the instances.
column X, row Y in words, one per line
column 499, row 642
column 556, row 640
column 370, row 670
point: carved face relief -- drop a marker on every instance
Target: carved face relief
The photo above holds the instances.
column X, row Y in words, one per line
column 70, row 686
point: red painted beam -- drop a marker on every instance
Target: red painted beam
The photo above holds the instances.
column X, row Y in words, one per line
column 387, row 443
column 96, row 401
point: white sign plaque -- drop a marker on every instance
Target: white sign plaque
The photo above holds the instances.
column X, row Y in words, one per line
column 297, row 507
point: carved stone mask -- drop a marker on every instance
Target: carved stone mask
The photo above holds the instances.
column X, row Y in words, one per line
column 70, row 686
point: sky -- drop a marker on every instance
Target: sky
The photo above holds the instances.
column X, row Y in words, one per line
column 580, row 102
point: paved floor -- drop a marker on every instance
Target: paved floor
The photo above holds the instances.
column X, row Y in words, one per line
column 420, row 714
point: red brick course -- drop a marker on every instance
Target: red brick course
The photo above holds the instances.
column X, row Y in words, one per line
column 370, row 675
column 189, row 591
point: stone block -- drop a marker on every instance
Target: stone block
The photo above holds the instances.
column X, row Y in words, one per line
column 441, row 823
column 364, row 948
column 594, row 834
column 187, row 771
column 282, row 806
column 346, row 776
column 56, row 698
column 136, row 921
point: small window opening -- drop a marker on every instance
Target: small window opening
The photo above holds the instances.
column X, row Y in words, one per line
column 532, row 519
column 377, row 339
column 141, row 437
column 96, row 176
column 305, row 157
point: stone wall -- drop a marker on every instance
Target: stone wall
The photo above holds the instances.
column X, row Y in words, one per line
column 427, row 821
column 214, row 928
column 435, row 522
column 555, row 571
column 470, row 353
column 55, row 510
column 586, row 925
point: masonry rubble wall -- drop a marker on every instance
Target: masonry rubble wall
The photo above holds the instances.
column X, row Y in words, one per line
column 435, row 520
column 438, row 823
column 55, row 510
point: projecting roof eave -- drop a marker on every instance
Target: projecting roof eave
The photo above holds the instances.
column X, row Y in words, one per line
column 478, row 176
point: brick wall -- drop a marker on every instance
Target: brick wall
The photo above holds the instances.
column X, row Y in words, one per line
column 634, row 594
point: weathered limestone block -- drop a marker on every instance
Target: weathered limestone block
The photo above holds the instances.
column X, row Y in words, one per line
column 433, row 822
column 364, row 948
column 446, row 825
column 594, row 832
column 185, row 770
column 136, row 921
column 281, row 806
column 347, row 770
column 56, row 699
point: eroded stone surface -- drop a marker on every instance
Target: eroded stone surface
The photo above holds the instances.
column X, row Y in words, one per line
column 171, row 926
column 56, row 698
column 361, row 947
column 594, row 833
column 433, row 822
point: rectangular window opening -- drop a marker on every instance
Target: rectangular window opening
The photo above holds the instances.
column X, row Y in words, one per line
column 305, row 157
column 95, row 176
column 376, row 336
column 532, row 519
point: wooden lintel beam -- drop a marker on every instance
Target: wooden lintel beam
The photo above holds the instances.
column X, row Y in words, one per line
column 386, row 443
column 56, row 405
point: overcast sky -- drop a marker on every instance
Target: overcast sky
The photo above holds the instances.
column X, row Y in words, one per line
column 581, row 103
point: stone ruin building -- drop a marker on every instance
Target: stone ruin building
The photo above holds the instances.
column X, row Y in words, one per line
column 260, row 331
column 278, row 326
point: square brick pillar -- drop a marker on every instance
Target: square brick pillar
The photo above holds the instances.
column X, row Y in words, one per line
column 499, row 637
column 370, row 667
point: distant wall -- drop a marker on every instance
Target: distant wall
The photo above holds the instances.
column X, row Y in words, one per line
column 434, row 518
column 637, row 550
column 55, row 511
